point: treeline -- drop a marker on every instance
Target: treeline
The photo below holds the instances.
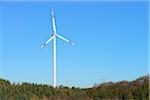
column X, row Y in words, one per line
column 124, row 90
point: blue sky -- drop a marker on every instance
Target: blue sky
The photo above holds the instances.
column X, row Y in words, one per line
column 111, row 38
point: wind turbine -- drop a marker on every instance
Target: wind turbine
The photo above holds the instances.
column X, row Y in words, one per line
column 53, row 37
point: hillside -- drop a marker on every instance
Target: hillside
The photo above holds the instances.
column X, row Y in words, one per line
column 137, row 89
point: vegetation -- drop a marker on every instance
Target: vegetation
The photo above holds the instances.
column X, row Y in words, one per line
column 137, row 89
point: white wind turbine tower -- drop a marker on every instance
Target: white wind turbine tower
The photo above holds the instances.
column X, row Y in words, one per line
column 53, row 37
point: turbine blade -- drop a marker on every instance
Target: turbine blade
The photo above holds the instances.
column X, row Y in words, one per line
column 53, row 21
column 43, row 45
column 65, row 39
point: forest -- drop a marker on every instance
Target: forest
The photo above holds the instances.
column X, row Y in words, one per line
column 123, row 90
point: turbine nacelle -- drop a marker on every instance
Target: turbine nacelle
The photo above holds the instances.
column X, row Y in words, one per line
column 56, row 35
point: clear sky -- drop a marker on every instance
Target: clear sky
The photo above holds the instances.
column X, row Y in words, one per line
column 111, row 38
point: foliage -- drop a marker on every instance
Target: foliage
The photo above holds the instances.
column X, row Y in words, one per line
column 138, row 89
